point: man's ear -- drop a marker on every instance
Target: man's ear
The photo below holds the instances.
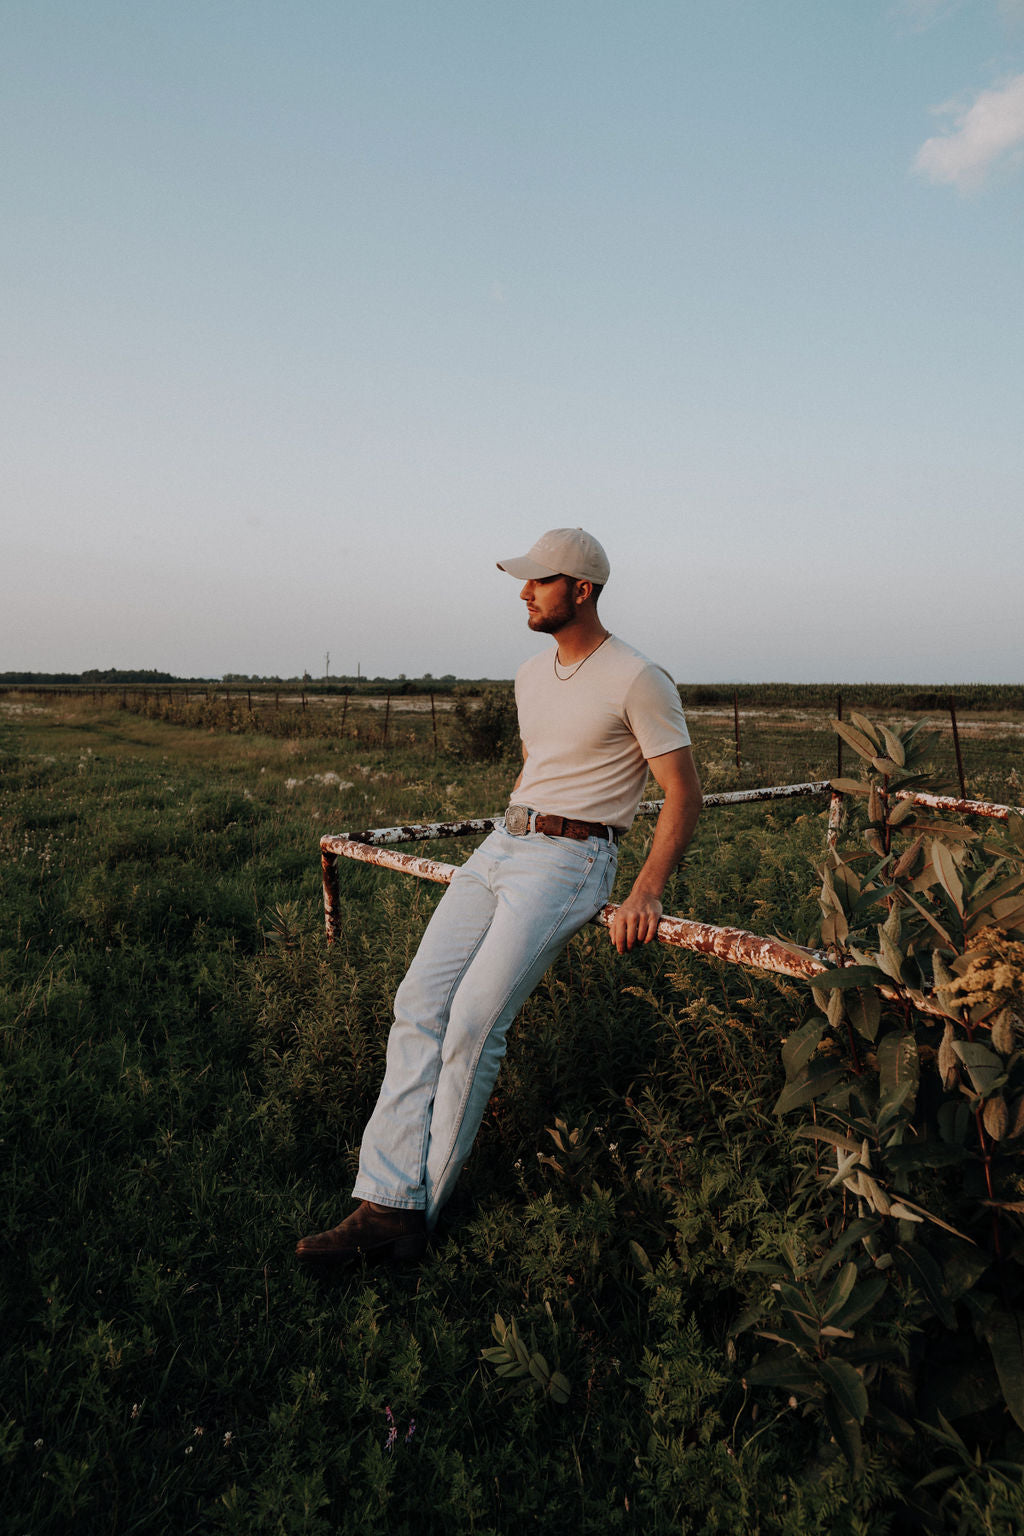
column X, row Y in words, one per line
column 583, row 590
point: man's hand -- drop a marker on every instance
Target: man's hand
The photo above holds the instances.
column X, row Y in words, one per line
column 635, row 922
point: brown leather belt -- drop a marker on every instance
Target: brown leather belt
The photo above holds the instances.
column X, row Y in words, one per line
column 555, row 826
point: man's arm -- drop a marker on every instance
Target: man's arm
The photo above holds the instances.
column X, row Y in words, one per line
column 519, row 775
column 636, row 921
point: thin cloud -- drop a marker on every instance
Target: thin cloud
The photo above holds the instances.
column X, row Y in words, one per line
column 989, row 132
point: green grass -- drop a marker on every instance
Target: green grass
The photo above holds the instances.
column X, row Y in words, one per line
column 186, row 1070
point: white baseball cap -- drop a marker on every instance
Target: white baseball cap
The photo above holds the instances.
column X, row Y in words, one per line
column 561, row 552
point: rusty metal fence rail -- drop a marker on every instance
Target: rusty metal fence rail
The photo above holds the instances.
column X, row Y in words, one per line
column 734, row 945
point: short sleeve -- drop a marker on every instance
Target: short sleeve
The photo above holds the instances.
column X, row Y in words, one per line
column 654, row 714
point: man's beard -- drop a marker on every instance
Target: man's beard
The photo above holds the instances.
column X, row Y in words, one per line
column 551, row 623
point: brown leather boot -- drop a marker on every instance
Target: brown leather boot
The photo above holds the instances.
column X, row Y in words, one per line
column 376, row 1233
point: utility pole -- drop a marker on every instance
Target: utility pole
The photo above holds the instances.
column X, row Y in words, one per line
column 327, row 667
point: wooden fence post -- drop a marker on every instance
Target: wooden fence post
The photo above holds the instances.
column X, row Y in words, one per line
column 839, row 739
column 956, row 748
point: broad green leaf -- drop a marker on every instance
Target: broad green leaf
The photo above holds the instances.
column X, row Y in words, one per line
column 852, row 976
column 796, row 1302
column 1004, row 1334
column 900, row 811
column 893, row 746
column 1009, row 914
column 801, row 1046
column 865, row 726
column 865, row 1010
column 835, row 929
column 866, row 1295
column 847, row 1385
column 850, row 786
column 890, row 956
column 815, row 1080
column 640, row 1258
column 908, row 737
column 949, row 831
column 996, row 1117
column 828, row 897
column 984, row 1067
column 856, row 1232
column 559, row 1389
column 847, row 884
column 856, row 739
column 539, row 1369
column 782, row 1368
column 840, row 1292
column 846, row 1433
column 945, row 868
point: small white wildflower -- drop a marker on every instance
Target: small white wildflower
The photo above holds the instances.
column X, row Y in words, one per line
column 227, row 1438
column 189, row 1449
column 613, row 1146
column 38, row 1444
column 792, row 1402
column 198, row 1430
column 136, row 1410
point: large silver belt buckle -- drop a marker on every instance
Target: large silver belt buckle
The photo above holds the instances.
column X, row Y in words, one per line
column 517, row 820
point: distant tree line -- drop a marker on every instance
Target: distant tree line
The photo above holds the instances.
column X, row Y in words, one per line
column 913, row 697
column 95, row 677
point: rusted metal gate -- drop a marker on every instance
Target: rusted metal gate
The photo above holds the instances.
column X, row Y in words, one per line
column 734, row 945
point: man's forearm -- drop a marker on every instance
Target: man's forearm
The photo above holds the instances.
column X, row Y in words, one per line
column 672, row 833
column 637, row 918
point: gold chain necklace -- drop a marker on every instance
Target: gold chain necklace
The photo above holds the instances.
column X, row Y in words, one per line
column 569, row 675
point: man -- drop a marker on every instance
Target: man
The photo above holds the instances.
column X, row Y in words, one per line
column 594, row 716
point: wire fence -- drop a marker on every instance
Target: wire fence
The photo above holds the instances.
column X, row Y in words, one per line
column 742, row 737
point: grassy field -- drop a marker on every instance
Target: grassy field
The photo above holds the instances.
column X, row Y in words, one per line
column 186, row 1069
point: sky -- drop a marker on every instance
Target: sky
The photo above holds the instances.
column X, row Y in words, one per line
column 310, row 312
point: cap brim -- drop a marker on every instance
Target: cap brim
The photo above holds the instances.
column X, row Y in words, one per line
column 525, row 569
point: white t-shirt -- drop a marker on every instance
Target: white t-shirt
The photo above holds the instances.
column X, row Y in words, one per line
column 588, row 738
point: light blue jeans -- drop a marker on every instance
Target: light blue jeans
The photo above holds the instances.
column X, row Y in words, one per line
column 508, row 912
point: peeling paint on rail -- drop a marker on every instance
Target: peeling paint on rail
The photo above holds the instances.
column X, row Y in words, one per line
column 422, row 831
column 961, row 807
column 736, row 946
column 747, row 796
column 733, row 945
